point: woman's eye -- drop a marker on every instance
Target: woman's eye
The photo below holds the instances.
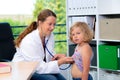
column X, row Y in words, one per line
column 55, row 24
column 50, row 24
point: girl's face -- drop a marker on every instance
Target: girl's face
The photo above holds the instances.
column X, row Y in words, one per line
column 77, row 35
column 48, row 25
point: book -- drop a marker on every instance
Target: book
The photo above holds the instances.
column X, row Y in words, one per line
column 5, row 68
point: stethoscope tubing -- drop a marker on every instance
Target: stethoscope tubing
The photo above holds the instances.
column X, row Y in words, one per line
column 53, row 56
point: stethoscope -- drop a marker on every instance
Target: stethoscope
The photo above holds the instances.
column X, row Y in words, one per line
column 46, row 41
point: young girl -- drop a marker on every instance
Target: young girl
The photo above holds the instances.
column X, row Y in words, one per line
column 81, row 35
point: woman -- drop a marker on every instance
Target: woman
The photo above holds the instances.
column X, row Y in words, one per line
column 36, row 43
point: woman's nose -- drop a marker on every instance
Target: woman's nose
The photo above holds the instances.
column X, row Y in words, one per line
column 52, row 27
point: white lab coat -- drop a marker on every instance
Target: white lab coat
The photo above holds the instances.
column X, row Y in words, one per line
column 31, row 49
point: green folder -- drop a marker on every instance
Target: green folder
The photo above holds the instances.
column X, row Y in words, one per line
column 108, row 57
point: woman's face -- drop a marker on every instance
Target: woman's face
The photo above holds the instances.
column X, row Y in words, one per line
column 48, row 25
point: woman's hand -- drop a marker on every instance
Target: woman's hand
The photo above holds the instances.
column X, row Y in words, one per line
column 58, row 56
column 65, row 60
column 62, row 59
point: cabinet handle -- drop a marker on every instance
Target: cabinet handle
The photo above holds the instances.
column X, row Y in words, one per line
column 118, row 52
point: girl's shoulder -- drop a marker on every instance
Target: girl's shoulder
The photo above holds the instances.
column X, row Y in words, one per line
column 86, row 46
column 86, row 49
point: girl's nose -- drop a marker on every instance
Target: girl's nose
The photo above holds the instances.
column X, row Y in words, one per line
column 75, row 35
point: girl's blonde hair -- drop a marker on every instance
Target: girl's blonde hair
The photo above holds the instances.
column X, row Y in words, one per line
column 87, row 32
column 41, row 17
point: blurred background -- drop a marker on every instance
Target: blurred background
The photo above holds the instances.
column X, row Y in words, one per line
column 20, row 13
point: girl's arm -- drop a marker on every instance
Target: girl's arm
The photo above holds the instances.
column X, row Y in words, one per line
column 86, row 58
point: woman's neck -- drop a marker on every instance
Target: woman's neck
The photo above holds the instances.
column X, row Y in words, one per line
column 41, row 34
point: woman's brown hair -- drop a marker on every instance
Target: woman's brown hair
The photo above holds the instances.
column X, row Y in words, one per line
column 41, row 17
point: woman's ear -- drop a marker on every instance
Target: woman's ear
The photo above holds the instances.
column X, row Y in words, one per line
column 39, row 23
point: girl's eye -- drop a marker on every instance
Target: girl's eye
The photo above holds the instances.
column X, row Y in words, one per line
column 73, row 34
column 78, row 32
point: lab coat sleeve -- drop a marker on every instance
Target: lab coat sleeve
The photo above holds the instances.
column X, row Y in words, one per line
column 46, row 68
